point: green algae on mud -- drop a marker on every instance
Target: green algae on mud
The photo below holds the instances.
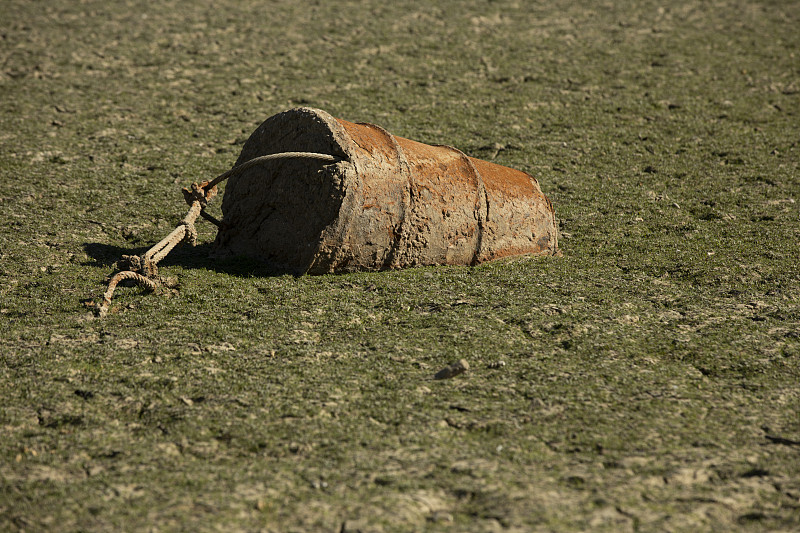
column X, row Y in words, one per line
column 650, row 374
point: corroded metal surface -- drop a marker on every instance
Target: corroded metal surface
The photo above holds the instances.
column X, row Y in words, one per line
column 389, row 202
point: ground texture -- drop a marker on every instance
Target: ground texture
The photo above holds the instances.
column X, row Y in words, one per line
column 646, row 380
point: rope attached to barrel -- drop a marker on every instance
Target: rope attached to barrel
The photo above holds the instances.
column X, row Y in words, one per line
column 143, row 270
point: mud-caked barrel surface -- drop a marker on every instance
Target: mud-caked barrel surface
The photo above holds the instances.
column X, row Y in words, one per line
column 277, row 211
column 387, row 203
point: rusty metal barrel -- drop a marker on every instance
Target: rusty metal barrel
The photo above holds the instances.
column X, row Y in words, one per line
column 385, row 203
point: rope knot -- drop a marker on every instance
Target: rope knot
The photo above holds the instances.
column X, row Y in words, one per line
column 198, row 193
column 139, row 264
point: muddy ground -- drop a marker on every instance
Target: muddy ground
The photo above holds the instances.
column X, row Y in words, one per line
column 646, row 380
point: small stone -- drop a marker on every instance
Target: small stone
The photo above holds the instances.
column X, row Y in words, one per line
column 194, row 348
column 459, row 367
column 440, row 516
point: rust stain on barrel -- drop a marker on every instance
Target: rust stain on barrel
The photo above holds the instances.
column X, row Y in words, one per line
column 390, row 202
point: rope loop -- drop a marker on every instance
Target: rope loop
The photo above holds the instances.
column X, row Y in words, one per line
column 142, row 269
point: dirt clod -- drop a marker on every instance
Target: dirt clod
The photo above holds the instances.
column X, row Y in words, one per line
column 453, row 370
